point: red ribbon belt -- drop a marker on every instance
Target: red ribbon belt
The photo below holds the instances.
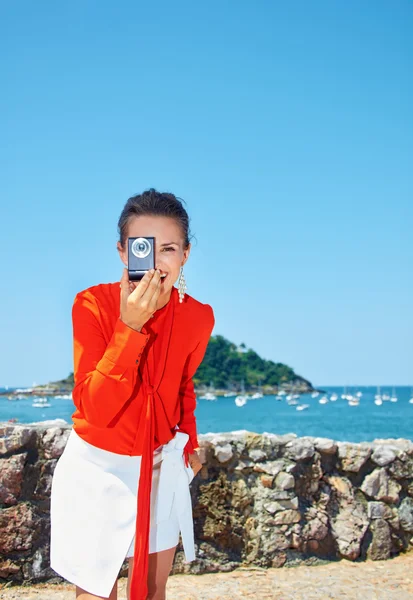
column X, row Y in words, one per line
column 156, row 429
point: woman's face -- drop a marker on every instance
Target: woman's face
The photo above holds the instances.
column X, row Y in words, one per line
column 169, row 252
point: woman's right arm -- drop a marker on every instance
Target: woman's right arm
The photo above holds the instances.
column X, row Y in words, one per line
column 105, row 373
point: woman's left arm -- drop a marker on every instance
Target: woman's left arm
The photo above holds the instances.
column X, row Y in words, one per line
column 187, row 422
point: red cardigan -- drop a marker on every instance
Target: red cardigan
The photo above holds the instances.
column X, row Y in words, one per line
column 131, row 388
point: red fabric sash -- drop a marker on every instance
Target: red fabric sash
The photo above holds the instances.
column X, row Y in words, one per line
column 157, row 430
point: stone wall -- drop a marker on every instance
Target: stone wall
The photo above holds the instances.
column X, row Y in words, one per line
column 264, row 500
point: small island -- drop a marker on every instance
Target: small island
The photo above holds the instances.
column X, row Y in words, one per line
column 227, row 369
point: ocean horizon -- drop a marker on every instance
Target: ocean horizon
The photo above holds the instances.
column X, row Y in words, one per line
column 335, row 419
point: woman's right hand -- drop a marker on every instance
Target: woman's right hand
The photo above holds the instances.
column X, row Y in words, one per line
column 138, row 305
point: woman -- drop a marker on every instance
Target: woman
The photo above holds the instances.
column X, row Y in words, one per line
column 121, row 487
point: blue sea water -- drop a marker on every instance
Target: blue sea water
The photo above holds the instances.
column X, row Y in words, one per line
column 336, row 420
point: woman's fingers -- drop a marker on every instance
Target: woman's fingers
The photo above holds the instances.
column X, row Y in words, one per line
column 139, row 301
column 142, row 286
column 195, row 462
column 151, row 293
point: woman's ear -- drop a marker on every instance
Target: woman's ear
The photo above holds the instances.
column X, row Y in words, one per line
column 122, row 253
column 186, row 254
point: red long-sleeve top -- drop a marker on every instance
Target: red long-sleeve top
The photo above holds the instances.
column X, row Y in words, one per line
column 131, row 388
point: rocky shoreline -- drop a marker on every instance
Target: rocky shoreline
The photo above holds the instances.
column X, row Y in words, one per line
column 260, row 501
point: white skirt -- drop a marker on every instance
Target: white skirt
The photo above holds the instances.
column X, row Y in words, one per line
column 94, row 507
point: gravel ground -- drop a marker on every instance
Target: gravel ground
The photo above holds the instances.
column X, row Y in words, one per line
column 344, row 580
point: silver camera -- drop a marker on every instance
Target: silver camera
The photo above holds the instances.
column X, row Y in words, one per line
column 141, row 256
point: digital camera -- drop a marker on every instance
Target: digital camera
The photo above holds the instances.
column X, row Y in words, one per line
column 141, row 256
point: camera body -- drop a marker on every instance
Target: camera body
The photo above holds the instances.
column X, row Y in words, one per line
column 141, row 256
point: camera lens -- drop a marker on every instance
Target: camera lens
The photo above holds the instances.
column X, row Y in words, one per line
column 141, row 247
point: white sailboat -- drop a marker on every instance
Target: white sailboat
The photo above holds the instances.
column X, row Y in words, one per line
column 290, row 396
column 230, row 392
column 385, row 396
column 323, row 400
column 394, row 397
column 40, row 403
column 302, row 406
column 353, row 399
column 210, row 395
column 411, row 396
column 333, row 397
column 242, row 398
column 258, row 394
column 378, row 398
column 293, row 401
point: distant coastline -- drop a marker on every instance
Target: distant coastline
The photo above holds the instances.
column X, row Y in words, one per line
column 65, row 392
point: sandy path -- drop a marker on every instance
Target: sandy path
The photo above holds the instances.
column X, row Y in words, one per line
column 344, row 580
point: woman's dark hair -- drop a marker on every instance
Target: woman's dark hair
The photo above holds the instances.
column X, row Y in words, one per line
column 152, row 202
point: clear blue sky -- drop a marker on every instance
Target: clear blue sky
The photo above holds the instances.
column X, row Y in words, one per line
column 287, row 128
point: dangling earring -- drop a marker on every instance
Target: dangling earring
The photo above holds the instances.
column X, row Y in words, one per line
column 181, row 285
